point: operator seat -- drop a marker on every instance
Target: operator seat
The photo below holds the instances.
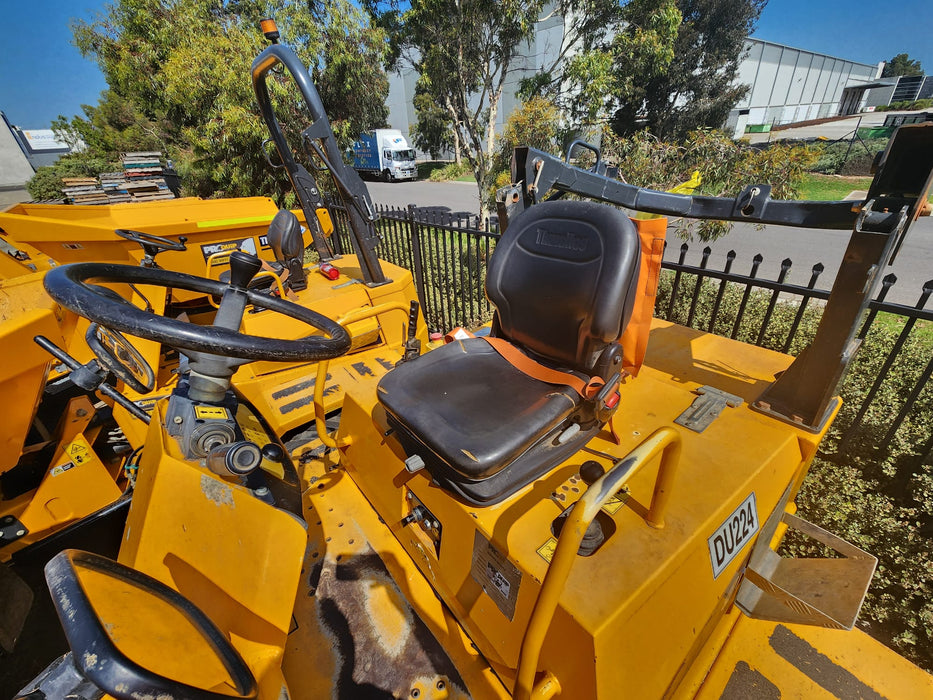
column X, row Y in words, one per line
column 562, row 280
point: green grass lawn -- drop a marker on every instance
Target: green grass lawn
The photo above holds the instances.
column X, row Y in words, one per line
column 824, row 188
column 827, row 188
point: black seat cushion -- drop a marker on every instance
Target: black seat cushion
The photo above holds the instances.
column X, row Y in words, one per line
column 471, row 407
column 563, row 280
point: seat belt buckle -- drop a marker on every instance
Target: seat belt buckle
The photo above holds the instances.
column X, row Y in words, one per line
column 607, row 400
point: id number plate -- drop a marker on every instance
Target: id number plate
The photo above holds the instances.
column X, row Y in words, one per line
column 731, row 537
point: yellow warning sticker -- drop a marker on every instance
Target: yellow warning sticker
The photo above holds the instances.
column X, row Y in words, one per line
column 79, row 451
column 211, row 413
column 615, row 503
column 546, row 550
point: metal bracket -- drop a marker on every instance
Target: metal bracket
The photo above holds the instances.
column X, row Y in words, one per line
column 826, row 592
column 706, row 408
column 11, row 530
column 430, row 525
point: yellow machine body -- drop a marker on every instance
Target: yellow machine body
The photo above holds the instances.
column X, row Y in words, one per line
column 281, row 392
column 484, row 602
column 235, row 557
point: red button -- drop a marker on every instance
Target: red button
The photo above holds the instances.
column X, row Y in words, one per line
column 613, row 400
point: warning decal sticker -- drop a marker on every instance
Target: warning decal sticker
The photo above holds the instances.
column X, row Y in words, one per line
column 546, row 550
column 210, row 413
column 62, row 468
column 79, row 451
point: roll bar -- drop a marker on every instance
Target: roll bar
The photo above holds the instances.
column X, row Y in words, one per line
column 804, row 395
column 319, row 138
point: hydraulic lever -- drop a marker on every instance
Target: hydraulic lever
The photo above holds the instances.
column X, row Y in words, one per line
column 412, row 344
column 90, row 377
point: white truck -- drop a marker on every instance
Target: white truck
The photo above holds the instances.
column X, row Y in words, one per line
column 384, row 153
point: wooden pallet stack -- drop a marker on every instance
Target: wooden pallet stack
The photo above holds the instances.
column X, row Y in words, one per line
column 142, row 172
column 83, row 190
column 114, row 185
column 140, row 181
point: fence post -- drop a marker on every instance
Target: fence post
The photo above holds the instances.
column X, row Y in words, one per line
column 418, row 271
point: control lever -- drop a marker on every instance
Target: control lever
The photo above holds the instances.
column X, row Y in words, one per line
column 90, row 377
column 412, row 343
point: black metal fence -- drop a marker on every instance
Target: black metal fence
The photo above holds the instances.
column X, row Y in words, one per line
column 887, row 388
column 447, row 256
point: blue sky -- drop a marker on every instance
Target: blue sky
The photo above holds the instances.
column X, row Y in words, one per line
column 42, row 75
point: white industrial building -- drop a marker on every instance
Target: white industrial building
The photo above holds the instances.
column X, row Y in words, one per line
column 786, row 84
column 793, row 85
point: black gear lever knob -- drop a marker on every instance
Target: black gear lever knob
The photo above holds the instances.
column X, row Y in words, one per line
column 243, row 267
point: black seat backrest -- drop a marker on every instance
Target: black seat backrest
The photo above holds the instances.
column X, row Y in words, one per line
column 285, row 236
column 563, row 280
column 288, row 246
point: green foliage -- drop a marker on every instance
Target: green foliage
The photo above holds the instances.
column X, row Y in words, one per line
column 843, row 158
column 537, row 124
column 697, row 88
column 178, row 76
column 433, row 130
column 47, row 182
column 905, row 105
column 902, row 64
column 615, row 71
column 451, row 171
column 725, row 166
column 466, row 49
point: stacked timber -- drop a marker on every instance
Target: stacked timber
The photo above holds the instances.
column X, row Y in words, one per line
column 142, row 173
column 114, row 185
column 140, row 181
column 83, row 190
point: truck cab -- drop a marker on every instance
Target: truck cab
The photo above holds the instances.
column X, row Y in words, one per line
column 384, row 153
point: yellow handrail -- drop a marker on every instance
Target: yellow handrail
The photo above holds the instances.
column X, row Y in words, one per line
column 322, row 366
column 665, row 440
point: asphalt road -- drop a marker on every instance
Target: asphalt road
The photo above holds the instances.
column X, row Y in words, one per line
column 805, row 247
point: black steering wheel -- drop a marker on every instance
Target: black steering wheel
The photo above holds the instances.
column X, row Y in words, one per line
column 152, row 244
column 117, row 355
column 72, row 287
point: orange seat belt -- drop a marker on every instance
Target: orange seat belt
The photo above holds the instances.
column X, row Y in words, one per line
column 535, row 370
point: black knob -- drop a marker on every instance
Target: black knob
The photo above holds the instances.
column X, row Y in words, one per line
column 590, row 471
column 243, row 267
column 273, row 452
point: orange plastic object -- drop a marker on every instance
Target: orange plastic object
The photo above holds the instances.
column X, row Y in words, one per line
column 651, row 233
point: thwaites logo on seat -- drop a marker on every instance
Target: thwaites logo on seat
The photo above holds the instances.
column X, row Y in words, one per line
column 565, row 240
column 735, row 532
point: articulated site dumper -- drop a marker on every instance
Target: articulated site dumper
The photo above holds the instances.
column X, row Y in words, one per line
column 542, row 509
